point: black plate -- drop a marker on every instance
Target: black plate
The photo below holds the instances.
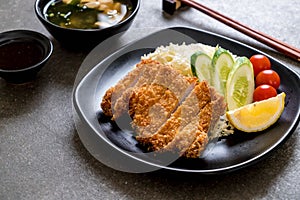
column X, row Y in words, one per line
column 118, row 149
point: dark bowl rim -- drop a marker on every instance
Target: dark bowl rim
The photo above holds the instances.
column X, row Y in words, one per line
column 33, row 35
column 39, row 12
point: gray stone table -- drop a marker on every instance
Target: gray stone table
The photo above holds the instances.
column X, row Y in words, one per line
column 42, row 157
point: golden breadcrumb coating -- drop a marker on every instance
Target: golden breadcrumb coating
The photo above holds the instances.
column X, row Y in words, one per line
column 189, row 108
column 170, row 112
column 207, row 122
column 116, row 99
column 151, row 103
column 160, row 99
column 106, row 102
column 150, row 70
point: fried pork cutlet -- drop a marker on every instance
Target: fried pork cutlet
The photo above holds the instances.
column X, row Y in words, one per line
column 169, row 111
column 183, row 115
column 149, row 106
column 116, row 99
column 186, row 131
column 208, row 118
column 113, row 93
column 153, row 104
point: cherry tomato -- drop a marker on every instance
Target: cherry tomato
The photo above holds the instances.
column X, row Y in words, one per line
column 263, row 92
column 260, row 63
column 269, row 77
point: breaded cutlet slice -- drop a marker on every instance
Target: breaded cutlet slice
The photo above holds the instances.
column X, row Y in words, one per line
column 198, row 98
column 116, row 99
column 195, row 130
column 218, row 108
column 193, row 138
column 151, row 68
column 151, row 105
column 116, row 91
column 177, row 83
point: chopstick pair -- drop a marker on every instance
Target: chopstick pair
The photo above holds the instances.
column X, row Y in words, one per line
column 280, row 46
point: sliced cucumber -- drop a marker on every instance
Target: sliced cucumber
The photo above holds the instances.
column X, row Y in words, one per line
column 240, row 84
column 222, row 63
column 201, row 66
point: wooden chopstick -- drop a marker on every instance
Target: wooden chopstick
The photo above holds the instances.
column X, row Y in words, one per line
column 280, row 46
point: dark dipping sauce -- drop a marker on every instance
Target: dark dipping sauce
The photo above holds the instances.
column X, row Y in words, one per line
column 20, row 54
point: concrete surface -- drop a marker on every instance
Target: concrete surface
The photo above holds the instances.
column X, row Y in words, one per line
column 42, row 157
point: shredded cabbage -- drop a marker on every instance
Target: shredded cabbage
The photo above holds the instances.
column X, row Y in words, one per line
column 178, row 56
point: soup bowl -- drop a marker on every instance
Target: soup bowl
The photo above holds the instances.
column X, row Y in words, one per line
column 83, row 38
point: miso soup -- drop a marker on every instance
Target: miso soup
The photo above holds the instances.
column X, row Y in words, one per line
column 87, row 14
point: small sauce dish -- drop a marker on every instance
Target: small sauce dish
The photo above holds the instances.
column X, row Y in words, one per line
column 22, row 54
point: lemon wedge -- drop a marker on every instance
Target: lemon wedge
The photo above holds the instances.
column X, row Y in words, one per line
column 257, row 116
